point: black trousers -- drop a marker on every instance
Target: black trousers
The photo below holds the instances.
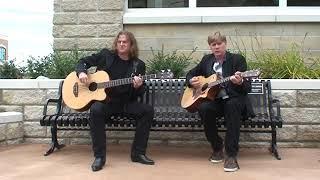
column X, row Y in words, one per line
column 99, row 113
column 231, row 109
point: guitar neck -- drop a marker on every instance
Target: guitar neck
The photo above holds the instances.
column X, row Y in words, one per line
column 124, row 81
column 220, row 81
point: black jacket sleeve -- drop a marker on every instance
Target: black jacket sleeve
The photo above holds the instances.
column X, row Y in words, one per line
column 97, row 59
column 241, row 66
column 196, row 71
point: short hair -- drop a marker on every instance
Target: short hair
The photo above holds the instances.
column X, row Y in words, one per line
column 134, row 50
column 216, row 37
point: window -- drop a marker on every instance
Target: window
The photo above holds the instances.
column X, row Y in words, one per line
column 303, row 2
column 2, row 54
column 158, row 3
column 220, row 11
column 236, row 3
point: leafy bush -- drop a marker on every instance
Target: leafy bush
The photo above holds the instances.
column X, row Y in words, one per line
column 177, row 63
column 277, row 64
column 56, row 65
column 8, row 70
column 285, row 65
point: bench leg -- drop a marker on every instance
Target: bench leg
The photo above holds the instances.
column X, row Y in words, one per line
column 274, row 149
column 54, row 141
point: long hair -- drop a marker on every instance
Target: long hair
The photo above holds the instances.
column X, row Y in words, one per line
column 134, row 50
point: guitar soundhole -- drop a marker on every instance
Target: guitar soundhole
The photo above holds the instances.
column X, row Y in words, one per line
column 204, row 87
column 93, row 86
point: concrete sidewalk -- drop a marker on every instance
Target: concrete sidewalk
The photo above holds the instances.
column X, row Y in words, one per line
column 73, row 162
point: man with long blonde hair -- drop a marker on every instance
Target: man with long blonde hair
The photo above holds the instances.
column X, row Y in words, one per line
column 121, row 62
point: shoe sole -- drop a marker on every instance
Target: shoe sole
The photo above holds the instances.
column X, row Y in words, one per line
column 215, row 161
column 230, row 170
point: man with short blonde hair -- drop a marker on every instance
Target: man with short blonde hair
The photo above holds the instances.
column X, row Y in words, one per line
column 229, row 101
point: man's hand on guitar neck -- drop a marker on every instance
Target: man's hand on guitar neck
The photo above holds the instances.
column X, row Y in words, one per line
column 83, row 77
column 237, row 78
column 195, row 82
column 137, row 81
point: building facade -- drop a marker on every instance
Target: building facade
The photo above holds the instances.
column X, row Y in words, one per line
column 184, row 25
column 3, row 48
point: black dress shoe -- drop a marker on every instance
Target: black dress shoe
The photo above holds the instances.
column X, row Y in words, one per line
column 98, row 163
column 141, row 158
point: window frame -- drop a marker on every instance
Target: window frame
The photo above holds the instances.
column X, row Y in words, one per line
column 5, row 53
column 193, row 14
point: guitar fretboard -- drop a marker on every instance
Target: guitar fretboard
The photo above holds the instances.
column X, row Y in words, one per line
column 119, row 82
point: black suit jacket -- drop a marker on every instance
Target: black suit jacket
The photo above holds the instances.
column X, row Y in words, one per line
column 232, row 64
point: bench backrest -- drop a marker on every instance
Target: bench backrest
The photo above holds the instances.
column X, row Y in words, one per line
column 165, row 97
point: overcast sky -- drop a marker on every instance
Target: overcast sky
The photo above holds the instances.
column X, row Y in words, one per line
column 28, row 25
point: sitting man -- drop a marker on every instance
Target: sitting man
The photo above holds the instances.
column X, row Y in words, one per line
column 119, row 63
column 229, row 102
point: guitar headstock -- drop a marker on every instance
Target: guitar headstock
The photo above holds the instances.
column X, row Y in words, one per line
column 251, row 73
column 164, row 74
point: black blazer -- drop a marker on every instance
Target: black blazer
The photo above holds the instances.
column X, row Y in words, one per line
column 232, row 64
column 103, row 61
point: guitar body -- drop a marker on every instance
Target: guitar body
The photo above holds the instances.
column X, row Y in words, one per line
column 79, row 96
column 192, row 97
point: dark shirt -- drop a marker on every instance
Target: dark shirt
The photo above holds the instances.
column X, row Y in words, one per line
column 118, row 70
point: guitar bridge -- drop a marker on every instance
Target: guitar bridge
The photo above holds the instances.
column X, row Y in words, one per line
column 76, row 89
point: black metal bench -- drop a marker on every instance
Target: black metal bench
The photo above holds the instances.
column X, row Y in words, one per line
column 164, row 96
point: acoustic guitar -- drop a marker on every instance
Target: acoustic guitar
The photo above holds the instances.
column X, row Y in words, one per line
column 209, row 88
column 79, row 96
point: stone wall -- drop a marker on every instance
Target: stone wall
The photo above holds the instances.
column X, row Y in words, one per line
column 11, row 128
column 248, row 37
column 86, row 24
column 300, row 110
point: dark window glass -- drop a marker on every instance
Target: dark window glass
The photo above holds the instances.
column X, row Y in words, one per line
column 303, row 2
column 2, row 53
column 236, row 3
column 157, row 3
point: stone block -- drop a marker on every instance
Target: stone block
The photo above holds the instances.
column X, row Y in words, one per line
column 24, row 96
column 65, row 18
column 78, row 5
column 14, row 131
column 308, row 133
column 74, row 134
column 301, row 115
column 94, row 43
column 11, row 108
column 63, row 31
column 52, row 94
column 3, row 128
column 82, row 141
column 188, row 143
column 110, row 4
column 308, row 98
column 33, row 112
column 15, row 141
column 65, row 44
column 111, row 17
column 33, row 129
column 288, row 98
column 108, row 30
column 38, row 141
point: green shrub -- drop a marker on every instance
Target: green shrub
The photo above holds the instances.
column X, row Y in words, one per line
column 279, row 64
column 8, row 70
column 288, row 64
column 177, row 63
column 56, row 65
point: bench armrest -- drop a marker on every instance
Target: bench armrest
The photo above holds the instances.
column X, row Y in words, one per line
column 276, row 104
column 56, row 101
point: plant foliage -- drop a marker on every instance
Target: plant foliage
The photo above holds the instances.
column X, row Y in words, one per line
column 177, row 63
